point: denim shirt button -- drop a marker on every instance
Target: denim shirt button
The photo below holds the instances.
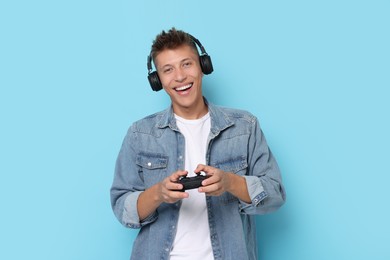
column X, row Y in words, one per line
column 149, row 164
column 181, row 157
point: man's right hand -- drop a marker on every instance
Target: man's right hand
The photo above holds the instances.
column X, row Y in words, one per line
column 167, row 191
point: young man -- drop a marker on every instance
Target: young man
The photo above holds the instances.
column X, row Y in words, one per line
column 193, row 137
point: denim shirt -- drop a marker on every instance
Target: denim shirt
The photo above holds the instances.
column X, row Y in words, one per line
column 154, row 148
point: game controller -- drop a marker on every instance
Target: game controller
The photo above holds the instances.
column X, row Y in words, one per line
column 192, row 182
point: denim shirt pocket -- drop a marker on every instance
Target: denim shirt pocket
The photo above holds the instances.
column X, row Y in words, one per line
column 153, row 167
column 237, row 165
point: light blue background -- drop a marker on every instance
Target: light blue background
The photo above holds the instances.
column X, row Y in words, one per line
column 73, row 78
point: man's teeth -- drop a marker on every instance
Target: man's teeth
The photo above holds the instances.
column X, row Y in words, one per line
column 183, row 87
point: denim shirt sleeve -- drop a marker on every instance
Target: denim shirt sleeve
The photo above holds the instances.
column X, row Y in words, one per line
column 130, row 215
column 263, row 179
column 127, row 186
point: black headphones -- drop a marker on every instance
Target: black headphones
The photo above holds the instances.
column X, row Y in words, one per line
column 204, row 60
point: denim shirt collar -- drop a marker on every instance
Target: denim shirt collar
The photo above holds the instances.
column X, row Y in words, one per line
column 219, row 120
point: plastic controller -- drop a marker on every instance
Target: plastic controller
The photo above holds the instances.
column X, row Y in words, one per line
column 192, row 182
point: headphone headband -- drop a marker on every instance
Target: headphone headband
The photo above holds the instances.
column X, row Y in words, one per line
column 203, row 51
column 204, row 60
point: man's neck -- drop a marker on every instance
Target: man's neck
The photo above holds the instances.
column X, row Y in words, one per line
column 192, row 112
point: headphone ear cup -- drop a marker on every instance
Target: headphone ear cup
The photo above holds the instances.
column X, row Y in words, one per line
column 206, row 64
column 154, row 81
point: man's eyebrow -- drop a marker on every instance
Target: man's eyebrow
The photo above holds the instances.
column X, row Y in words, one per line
column 166, row 65
column 186, row 59
column 183, row 60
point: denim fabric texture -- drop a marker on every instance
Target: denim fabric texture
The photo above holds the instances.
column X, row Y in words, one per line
column 154, row 148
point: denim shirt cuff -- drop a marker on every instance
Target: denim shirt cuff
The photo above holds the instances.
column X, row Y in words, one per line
column 130, row 213
column 256, row 193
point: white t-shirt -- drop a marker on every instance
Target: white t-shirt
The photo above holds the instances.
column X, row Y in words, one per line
column 192, row 240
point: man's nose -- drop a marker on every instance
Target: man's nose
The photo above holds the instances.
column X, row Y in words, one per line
column 180, row 75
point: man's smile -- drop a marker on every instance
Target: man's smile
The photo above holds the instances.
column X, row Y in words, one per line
column 183, row 88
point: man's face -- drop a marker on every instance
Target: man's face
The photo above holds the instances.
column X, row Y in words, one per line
column 181, row 76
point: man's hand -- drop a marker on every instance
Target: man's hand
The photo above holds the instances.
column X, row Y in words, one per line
column 218, row 182
column 169, row 191
column 166, row 191
column 221, row 181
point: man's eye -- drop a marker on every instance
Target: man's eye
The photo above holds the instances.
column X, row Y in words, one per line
column 187, row 64
column 167, row 70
